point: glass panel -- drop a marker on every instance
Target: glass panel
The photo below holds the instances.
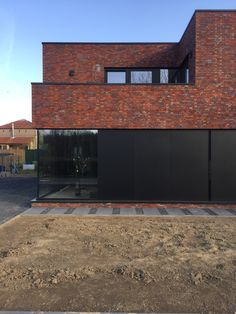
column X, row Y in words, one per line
column 174, row 76
column 68, row 164
column 138, row 77
column 164, row 76
column 187, row 76
column 116, row 77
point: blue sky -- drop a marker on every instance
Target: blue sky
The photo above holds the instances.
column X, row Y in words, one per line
column 24, row 24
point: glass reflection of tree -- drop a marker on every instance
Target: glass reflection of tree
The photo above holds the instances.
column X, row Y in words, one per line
column 80, row 166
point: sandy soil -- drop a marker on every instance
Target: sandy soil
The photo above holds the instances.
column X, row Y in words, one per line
column 120, row 264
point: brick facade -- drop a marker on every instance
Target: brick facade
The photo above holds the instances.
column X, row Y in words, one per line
column 84, row 101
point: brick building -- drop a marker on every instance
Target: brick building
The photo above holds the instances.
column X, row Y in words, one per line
column 140, row 122
column 15, row 138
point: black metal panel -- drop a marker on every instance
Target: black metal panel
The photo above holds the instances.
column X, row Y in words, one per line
column 169, row 165
column 223, row 154
column 115, row 165
column 152, row 165
column 189, row 165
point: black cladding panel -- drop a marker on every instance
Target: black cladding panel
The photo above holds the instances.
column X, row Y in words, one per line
column 115, row 165
column 189, row 165
column 169, row 165
column 152, row 165
column 223, row 152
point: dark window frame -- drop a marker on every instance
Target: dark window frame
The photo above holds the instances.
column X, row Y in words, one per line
column 155, row 74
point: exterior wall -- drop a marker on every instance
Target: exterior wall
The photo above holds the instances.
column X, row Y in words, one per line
column 215, row 50
column 130, row 106
column 89, row 60
column 209, row 102
column 18, row 132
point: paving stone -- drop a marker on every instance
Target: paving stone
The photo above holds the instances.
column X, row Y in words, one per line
column 175, row 212
column 46, row 211
column 58, row 210
column 210, row 211
column 33, row 211
column 151, row 212
column 139, row 211
column 163, row 211
column 116, row 211
column 69, row 211
column 104, row 211
column 231, row 211
column 198, row 212
column 81, row 211
column 224, row 212
column 127, row 211
column 92, row 211
column 186, row 211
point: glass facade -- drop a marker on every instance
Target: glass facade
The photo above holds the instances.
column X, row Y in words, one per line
column 68, row 164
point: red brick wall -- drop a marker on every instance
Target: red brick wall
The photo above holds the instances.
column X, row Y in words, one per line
column 216, row 49
column 209, row 103
column 89, row 60
column 132, row 106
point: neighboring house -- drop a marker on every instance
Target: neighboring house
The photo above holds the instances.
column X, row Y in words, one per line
column 15, row 138
column 140, row 122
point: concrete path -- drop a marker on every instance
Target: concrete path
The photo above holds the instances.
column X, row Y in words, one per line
column 15, row 195
column 89, row 211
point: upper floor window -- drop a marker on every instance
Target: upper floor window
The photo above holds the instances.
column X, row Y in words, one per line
column 148, row 76
column 141, row 77
column 164, row 76
column 116, row 77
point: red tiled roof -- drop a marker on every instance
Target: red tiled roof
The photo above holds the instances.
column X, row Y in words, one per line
column 19, row 124
column 15, row 140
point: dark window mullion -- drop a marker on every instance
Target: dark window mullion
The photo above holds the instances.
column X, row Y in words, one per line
column 106, row 72
column 156, row 76
column 128, row 76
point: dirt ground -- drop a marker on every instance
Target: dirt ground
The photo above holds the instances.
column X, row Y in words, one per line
column 132, row 264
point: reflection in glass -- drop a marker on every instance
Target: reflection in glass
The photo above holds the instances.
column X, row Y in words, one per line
column 116, row 77
column 187, row 76
column 138, row 77
column 164, row 79
column 68, row 164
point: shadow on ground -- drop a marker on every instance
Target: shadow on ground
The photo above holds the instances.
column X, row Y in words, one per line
column 15, row 195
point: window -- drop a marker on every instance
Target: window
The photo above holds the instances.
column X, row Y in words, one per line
column 164, row 77
column 141, row 77
column 4, row 147
column 116, row 77
column 148, row 75
column 68, row 164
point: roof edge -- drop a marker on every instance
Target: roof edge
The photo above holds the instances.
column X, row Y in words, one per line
column 215, row 10
column 106, row 43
